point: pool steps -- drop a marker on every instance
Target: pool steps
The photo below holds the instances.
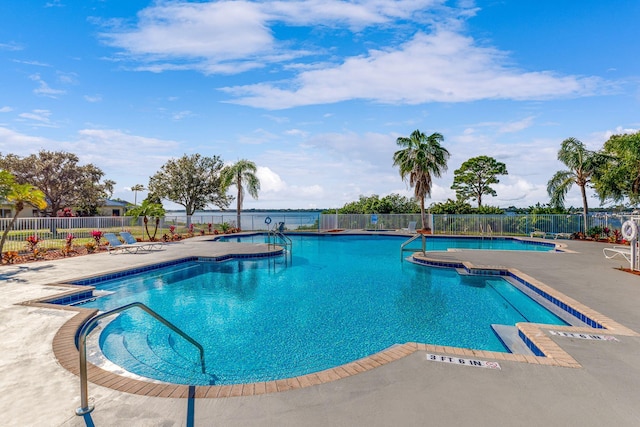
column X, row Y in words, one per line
column 134, row 350
column 511, row 339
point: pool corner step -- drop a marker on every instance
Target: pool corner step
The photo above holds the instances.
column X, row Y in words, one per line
column 510, row 338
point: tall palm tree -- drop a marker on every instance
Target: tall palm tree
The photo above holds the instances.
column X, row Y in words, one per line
column 582, row 164
column 135, row 189
column 421, row 158
column 242, row 174
column 20, row 195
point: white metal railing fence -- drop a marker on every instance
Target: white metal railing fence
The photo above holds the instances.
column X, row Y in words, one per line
column 511, row 225
column 52, row 232
column 369, row 222
column 294, row 221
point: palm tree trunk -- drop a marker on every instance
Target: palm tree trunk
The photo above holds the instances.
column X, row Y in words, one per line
column 238, row 207
column 423, row 214
column 155, row 230
column 585, row 208
column 6, row 230
column 146, row 226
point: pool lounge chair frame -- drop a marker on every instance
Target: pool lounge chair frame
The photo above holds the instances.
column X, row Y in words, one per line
column 623, row 251
column 411, row 228
column 116, row 245
column 145, row 246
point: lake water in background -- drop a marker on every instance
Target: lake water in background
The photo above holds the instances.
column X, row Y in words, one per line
column 251, row 220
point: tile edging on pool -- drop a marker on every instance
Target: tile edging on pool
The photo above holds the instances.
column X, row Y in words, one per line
column 67, row 355
column 583, row 313
column 533, row 334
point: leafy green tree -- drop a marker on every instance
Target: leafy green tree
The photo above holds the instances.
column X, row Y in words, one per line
column 391, row 204
column 397, row 204
column 63, row 182
column 620, row 176
column 6, row 182
column 191, row 181
column 475, row 177
column 582, row 164
column 457, row 207
column 364, row 205
column 147, row 210
column 91, row 198
column 421, row 158
column 20, row 195
column 489, row 210
column 242, row 174
column 135, row 188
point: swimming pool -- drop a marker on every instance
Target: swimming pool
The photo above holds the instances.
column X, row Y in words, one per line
column 337, row 299
column 433, row 243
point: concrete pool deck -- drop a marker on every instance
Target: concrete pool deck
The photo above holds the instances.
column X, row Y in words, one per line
column 37, row 390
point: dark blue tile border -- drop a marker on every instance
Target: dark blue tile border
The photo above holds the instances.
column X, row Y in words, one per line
column 91, row 281
column 530, row 344
column 500, row 272
column 72, row 299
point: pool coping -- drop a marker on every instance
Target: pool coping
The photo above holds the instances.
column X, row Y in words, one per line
column 537, row 335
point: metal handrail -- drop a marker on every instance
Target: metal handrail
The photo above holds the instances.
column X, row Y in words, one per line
column 424, row 244
column 275, row 232
column 85, row 408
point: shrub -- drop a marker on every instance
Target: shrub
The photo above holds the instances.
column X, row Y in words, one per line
column 595, row 232
column 66, row 249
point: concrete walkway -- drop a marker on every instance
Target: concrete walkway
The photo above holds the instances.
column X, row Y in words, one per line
column 412, row 391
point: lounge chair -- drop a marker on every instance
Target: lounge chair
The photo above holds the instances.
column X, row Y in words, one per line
column 623, row 251
column 116, row 245
column 411, row 228
column 538, row 233
column 145, row 246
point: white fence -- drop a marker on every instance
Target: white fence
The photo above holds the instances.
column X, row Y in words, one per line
column 52, row 231
column 510, row 225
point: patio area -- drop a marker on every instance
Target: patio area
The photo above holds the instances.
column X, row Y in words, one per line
column 411, row 390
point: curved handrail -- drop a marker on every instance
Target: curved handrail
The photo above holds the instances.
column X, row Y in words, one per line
column 402, row 247
column 275, row 232
column 85, row 408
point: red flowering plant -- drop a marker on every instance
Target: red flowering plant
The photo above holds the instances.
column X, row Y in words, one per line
column 97, row 235
column 33, row 245
column 616, row 237
column 33, row 242
column 172, row 229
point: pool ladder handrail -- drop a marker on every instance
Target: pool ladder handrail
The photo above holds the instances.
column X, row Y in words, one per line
column 489, row 231
column 86, row 329
column 276, row 233
column 403, row 248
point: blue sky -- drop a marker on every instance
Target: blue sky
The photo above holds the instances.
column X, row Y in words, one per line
column 315, row 92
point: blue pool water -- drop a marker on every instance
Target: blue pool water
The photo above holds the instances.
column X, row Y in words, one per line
column 337, row 299
column 435, row 243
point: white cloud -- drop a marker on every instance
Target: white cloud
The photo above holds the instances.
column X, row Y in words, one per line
column 210, row 33
column 440, row 67
column 41, row 118
column 181, row 115
column 11, row 46
column 93, row 98
column 22, row 145
column 205, row 35
column 44, row 89
column 5, row 109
